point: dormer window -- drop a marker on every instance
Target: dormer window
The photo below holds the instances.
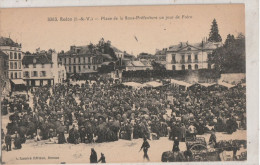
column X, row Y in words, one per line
column 34, row 61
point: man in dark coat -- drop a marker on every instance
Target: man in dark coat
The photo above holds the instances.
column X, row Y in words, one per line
column 82, row 133
column 73, row 136
column 61, row 138
column 176, row 145
column 145, row 148
column 93, row 156
column 213, row 139
column 8, row 142
column 102, row 158
column 17, row 141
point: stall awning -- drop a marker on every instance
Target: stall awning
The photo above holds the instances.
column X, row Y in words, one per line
column 18, row 81
column 181, row 83
column 133, row 84
column 153, row 84
column 226, row 84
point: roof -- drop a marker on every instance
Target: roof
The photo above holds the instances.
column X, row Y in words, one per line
column 137, row 63
column 3, row 54
column 41, row 58
column 116, row 49
column 83, row 50
column 8, row 42
column 198, row 46
column 107, row 56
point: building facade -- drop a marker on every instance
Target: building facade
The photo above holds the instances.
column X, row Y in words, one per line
column 42, row 68
column 81, row 59
column 4, row 61
column 187, row 56
column 4, row 81
column 15, row 54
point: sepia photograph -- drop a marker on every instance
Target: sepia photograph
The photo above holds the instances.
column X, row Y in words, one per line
column 123, row 84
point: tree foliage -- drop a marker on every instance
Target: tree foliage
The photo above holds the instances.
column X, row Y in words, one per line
column 214, row 35
column 230, row 58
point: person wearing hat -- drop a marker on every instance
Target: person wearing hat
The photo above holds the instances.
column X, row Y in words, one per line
column 93, row 156
column 102, row 158
column 213, row 138
column 175, row 147
column 145, row 146
column 8, row 142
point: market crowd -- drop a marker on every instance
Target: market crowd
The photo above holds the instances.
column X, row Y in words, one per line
column 101, row 111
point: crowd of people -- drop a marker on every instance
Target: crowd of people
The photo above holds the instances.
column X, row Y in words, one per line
column 101, row 111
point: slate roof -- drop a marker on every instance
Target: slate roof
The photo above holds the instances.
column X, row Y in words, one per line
column 83, row 50
column 8, row 42
column 41, row 58
column 3, row 54
column 200, row 46
column 116, row 49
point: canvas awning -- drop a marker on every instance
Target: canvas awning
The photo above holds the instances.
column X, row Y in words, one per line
column 133, row 84
column 153, row 84
column 206, row 84
column 18, row 81
column 180, row 83
column 226, row 84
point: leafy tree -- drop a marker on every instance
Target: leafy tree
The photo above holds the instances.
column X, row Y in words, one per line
column 157, row 66
column 230, row 58
column 214, row 35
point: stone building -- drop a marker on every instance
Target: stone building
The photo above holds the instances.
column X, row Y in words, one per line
column 15, row 54
column 185, row 56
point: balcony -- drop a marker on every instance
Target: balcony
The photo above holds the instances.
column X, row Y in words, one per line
column 189, row 61
column 182, row 61
column 196, row 61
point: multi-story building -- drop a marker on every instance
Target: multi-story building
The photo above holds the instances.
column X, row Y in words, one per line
column 185, row 56
column 81, row 59
column 42, row 68
column 14, row 51
column 4, row 81
column 4, row 65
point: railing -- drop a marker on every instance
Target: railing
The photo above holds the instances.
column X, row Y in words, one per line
column 182, row 61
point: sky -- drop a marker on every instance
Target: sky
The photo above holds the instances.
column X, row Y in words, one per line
column 30, row 26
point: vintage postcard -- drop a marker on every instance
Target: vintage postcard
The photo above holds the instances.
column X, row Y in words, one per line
column 123, row 84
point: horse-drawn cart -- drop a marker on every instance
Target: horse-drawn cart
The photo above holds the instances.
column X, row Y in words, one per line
column 197, row 150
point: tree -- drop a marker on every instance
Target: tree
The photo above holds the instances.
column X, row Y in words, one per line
column 230, row 58
column 214, row 35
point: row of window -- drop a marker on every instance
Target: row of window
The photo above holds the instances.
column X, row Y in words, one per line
column 15, row 65
column 15, row 75
column 74, row 68
column 15, row 55
column 34, row 66
column 196, row 67
column 79, row 60
column 183, row 57
column 26, row 74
